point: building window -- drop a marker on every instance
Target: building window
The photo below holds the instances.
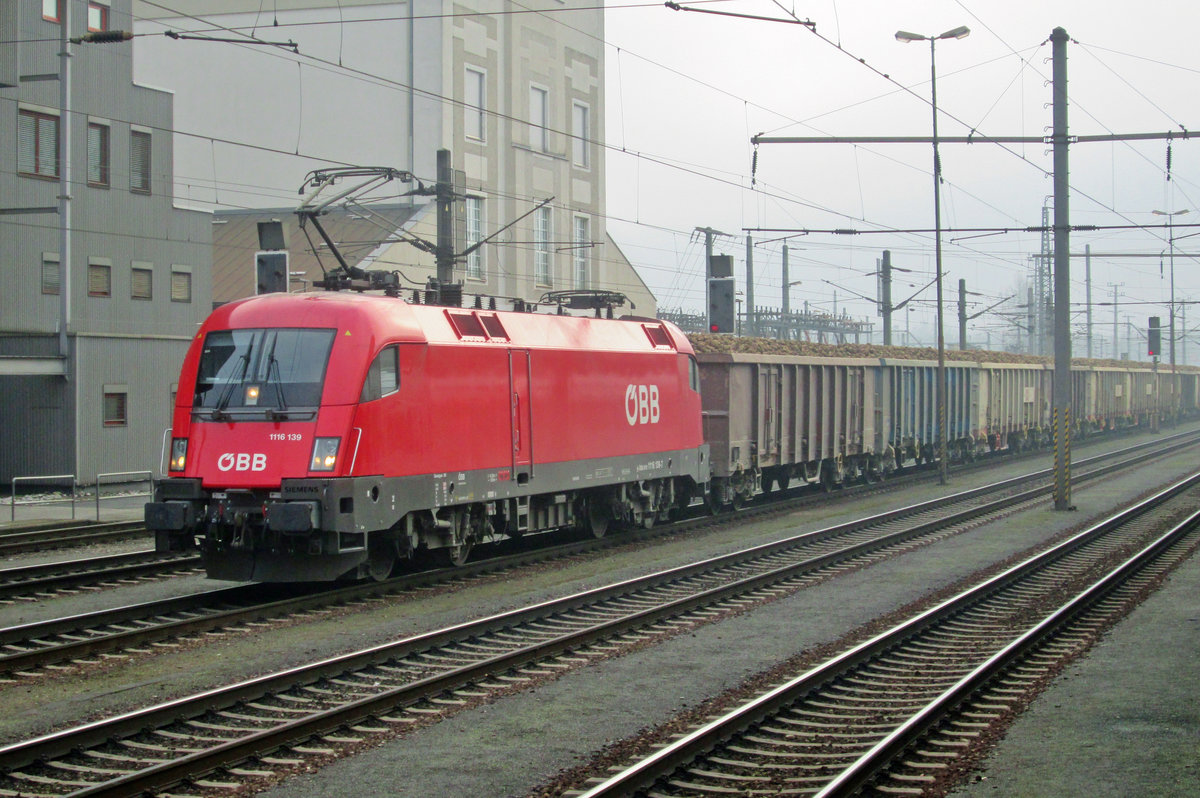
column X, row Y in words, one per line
column 541, row 246
column 475, row 98
column 116, row 405
column 97, row 16
column 37, row 144
column 52, row 10
column 139, row 161
column 51, row 274
column 474, row 236
column 141, row 282
column 539, row 114
column 181, row 286
column 99, row 279
column 580, row 120
column 97, row 154
column 579, row 251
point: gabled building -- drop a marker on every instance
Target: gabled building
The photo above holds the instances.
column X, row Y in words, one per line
column 101, row 294
column 514, row 92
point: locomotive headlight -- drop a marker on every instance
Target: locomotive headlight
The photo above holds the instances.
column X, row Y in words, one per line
column 251, row 395
column 178, row 454
column 324, row 456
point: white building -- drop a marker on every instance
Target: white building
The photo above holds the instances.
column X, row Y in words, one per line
column 514, row 92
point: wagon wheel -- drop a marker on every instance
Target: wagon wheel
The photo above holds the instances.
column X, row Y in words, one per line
column 711, row 504
column 381, row 556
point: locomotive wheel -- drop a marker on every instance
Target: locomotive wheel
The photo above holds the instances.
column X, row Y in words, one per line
column 456, row 556
column 381, row 557
column 599, row 517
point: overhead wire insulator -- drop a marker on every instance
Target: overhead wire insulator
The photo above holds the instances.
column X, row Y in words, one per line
column 1168, row 160
column 754, row 167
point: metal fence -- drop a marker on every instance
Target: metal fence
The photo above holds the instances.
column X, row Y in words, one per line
column 126, row 478
column 40, row 480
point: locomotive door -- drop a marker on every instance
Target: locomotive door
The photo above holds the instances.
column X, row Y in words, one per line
column 522, row 416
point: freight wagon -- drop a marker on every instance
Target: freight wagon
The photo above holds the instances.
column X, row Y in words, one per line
column 775, row 420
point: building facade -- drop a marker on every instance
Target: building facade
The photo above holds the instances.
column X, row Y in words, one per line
column 103, row 292
column 514, row 92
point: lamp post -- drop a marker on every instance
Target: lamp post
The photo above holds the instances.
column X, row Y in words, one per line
column 1171, row 307
column 904, row 36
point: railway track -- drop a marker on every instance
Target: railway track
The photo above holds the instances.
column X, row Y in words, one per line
column 67, row 535
column 92, row 638
column 281, row 721
column 896, row 712
column 43, row 580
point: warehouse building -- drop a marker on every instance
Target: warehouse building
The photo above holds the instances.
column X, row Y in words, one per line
column 101, row 292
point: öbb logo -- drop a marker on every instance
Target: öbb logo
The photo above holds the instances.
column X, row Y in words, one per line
column 242, row 462
column 641, row 404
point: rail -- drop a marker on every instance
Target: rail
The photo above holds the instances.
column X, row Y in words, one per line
column 43, row 478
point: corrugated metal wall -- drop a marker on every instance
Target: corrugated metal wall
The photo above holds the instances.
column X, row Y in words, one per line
column 146, row 369
column 36, row 436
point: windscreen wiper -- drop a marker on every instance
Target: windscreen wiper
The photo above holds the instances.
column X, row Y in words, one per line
column 218, row 412
column 273, row 368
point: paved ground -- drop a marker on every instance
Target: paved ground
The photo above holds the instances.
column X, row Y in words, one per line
column 1123, row 721
column 34, row 510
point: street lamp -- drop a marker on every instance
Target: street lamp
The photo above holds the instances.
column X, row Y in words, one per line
column 960, row 32
column 1171, row 308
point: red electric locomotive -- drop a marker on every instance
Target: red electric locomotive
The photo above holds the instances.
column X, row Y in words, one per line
column 322, row 436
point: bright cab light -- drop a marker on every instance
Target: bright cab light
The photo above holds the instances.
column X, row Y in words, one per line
column 178, row 454
column 251, row 395
column 324, row 456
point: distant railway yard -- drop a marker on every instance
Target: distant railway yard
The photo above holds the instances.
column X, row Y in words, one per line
column 868, row 641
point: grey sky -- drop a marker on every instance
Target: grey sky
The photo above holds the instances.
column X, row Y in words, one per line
column 689, row 89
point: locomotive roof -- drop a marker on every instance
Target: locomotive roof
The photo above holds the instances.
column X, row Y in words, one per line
column 392, row 319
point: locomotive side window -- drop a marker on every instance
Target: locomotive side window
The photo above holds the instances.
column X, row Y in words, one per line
column 693, row 374
column 262, row 369
column 383, row 377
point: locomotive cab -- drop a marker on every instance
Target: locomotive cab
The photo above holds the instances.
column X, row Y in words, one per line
column 255, row 424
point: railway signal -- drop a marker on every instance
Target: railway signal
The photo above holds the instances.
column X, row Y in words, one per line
column 721, row 315
column 1154, row 337
column 271, row 272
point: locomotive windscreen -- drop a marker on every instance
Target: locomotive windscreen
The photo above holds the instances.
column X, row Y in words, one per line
column 264, row 369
